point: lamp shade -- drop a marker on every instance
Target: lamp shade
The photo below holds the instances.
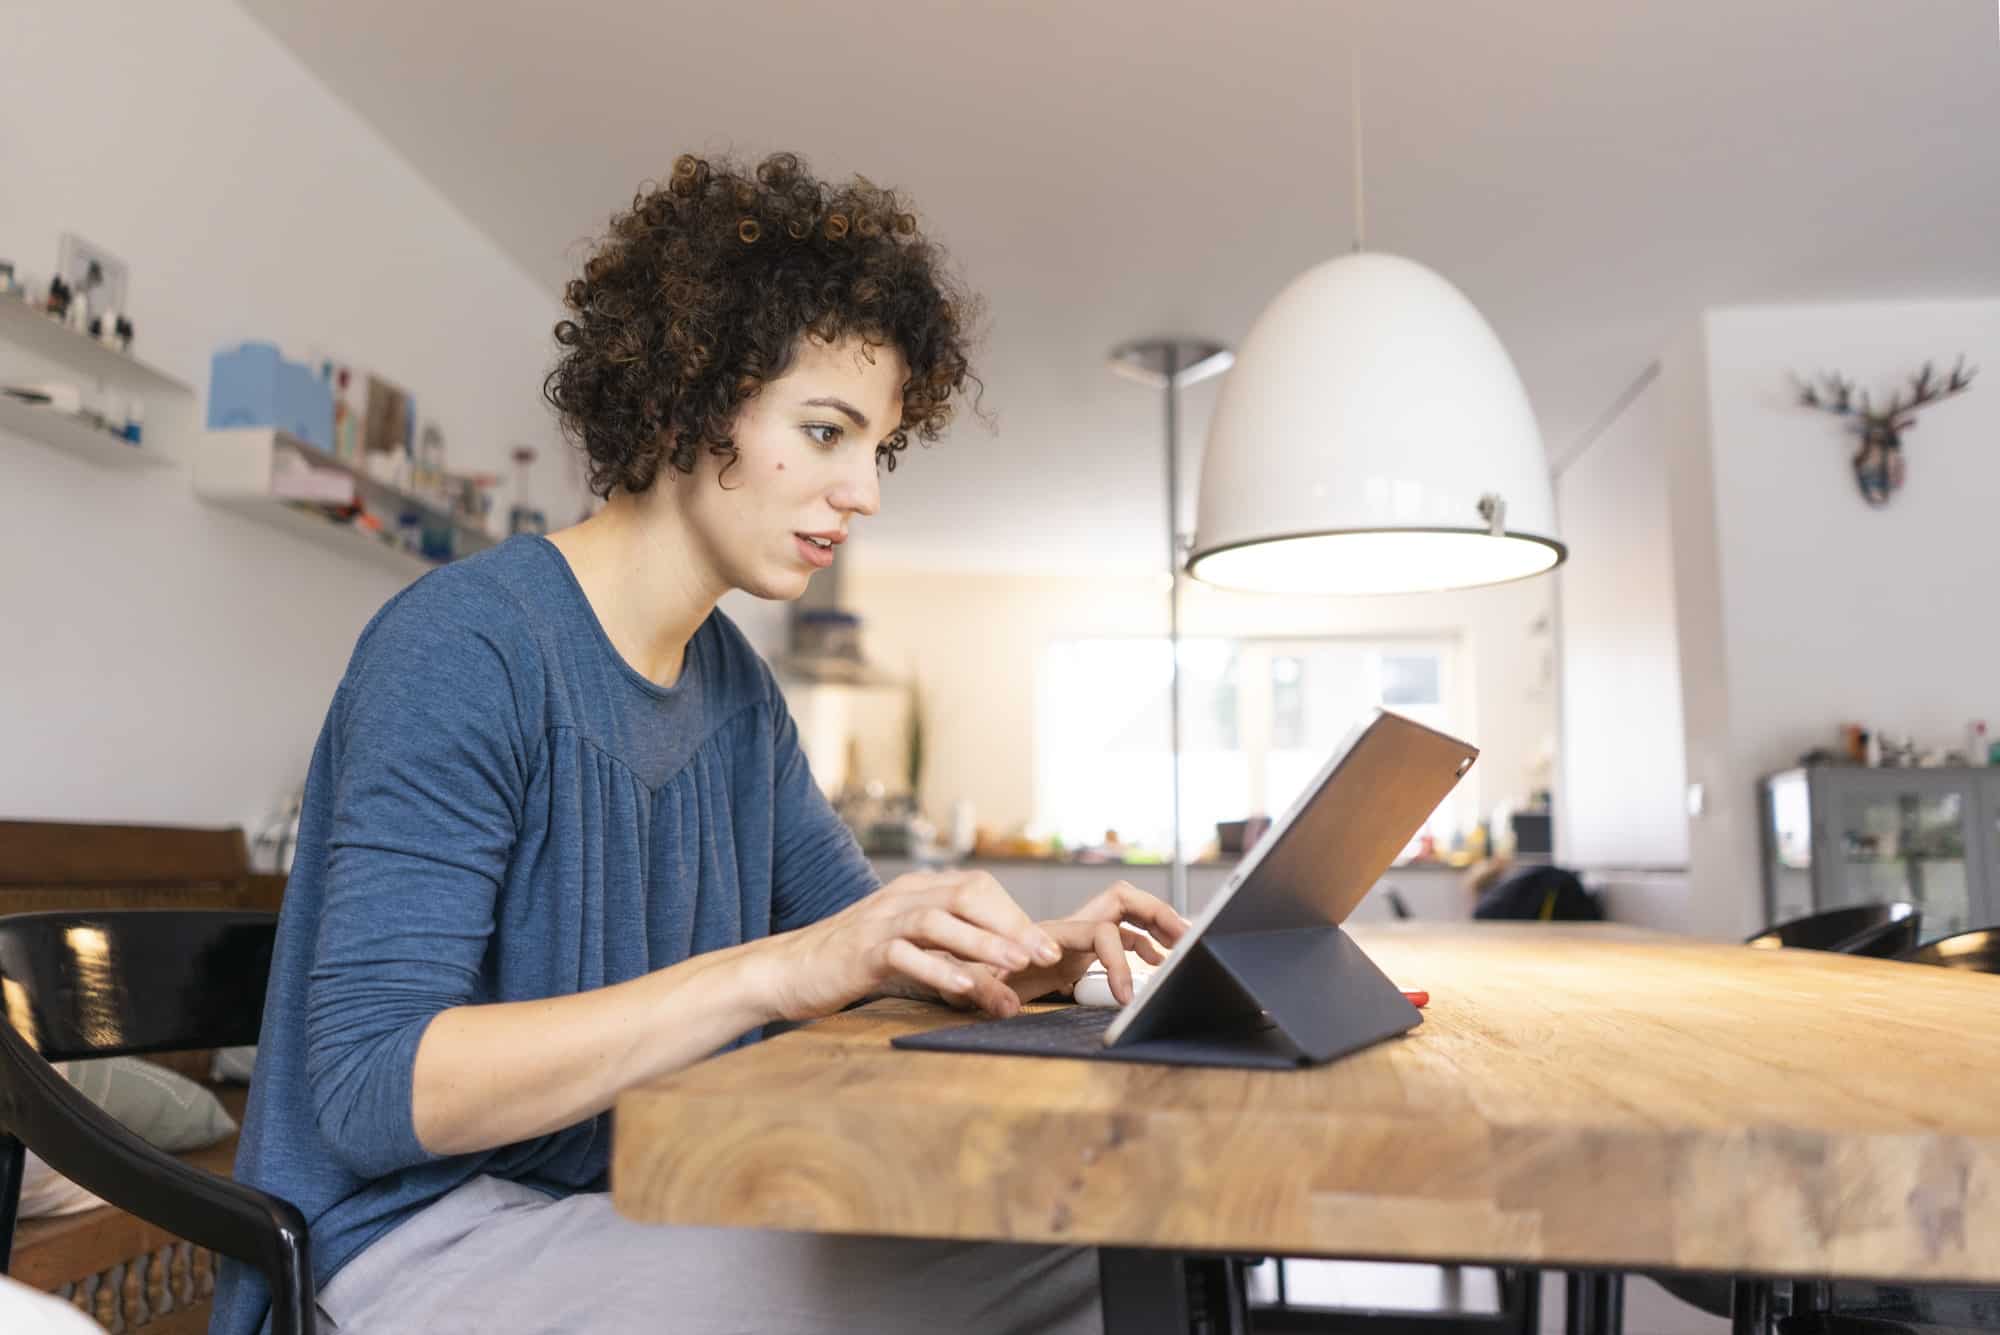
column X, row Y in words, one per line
column 1372, row 438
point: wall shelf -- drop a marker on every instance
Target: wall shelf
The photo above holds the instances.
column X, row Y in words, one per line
column 50, row 338
column 74, row 435
column 305, row 522
column 234, row 469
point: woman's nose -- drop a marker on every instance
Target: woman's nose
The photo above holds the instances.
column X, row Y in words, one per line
column 859, row 493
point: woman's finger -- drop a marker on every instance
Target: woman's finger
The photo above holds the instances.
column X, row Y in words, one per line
column 991, row 994
column 1132, row 907
column 1110, row 946
column 951, row 979
column 1126, row 903
column 1078, row 935
column 1142, row 946
column 1074, row 935
column 944, row 975
column 1136, row 908
column 935, row 927
column 981, row 901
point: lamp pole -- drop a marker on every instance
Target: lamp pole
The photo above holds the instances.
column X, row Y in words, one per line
column 1170, row 365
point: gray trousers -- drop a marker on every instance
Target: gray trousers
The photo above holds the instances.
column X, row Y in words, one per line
column 495, row 1256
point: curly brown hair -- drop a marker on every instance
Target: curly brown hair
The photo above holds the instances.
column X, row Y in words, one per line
column 699, row 294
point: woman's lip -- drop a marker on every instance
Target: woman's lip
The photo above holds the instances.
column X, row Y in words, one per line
column 816, row 556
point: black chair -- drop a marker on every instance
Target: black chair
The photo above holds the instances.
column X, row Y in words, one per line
column 1887, row 1310
column 1883, row 931
column 116, row 983
column 1977, row 950
column 1540, row 894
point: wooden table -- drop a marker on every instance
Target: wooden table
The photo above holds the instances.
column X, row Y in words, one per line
column 1577, row 1097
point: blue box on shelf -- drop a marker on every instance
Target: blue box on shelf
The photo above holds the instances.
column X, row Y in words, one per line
column 252, row 385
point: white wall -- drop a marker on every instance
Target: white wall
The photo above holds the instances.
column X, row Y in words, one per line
column 1838, row 611
column 977, row 642
column 1623, row 773
column 1831, row 611
column 167, row 661
column 1787, row 605
column 1722, row 838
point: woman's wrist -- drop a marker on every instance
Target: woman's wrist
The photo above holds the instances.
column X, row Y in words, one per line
column 753, row 978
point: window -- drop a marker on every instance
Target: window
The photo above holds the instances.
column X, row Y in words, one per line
column 1259, row 717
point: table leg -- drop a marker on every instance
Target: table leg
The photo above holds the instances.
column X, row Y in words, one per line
column 1812, row 1306
column 1594, row 1303
column 1577, row 1302
column 1144, row 1292
column 1750, row 1307
column 1165, row 1293
column 1227, row 1306
column 1523, row 1308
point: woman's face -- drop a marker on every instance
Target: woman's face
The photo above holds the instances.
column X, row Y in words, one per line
column 805, row 468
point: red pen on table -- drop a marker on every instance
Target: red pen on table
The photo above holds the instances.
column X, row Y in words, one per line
column 1416, row 998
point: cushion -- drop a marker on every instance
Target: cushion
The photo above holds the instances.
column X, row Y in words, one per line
column 234, row 1064
column 166, row 1110
column 45, row 1192
column 26, row 1312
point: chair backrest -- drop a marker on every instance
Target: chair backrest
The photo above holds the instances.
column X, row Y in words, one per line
column 38, row 852
column 1540, row 894
column 69, row 865
column 108, row 983
column 1881, row 930
column 111, row 982
column 1977, row 950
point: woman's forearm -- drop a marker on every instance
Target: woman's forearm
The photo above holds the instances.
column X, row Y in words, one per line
column 492, row 1075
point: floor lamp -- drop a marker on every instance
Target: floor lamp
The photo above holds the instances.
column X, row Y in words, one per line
column 1170, row 365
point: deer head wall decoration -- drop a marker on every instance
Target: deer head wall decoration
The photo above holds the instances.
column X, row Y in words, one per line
column 1878, row 460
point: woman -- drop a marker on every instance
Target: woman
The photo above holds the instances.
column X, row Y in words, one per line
column 559, row 836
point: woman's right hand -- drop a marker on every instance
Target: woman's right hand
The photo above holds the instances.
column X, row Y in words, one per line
column 923, row 929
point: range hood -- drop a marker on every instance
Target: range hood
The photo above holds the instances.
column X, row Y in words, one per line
column 823, row 645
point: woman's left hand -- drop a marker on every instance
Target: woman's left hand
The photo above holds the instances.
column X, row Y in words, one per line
column 1122, row 918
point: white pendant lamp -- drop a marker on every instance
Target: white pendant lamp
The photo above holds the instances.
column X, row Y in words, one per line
column 1372, row 438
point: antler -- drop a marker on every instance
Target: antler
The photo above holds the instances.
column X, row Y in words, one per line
column 1837, row 395
column 1924, row 390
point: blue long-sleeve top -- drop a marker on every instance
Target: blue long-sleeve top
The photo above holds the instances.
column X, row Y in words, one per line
column 500, row 808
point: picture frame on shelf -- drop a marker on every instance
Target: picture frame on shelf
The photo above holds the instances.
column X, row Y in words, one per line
column 388, row 418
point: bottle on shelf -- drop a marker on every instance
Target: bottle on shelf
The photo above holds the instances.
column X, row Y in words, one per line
column 525, row 516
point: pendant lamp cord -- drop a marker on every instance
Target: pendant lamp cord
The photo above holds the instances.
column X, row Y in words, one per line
column 1354, row 108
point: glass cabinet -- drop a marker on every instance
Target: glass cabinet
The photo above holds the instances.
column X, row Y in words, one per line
column 1840, row 835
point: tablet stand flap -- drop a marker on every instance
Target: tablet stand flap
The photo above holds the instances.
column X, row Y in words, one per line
column 1317, row 987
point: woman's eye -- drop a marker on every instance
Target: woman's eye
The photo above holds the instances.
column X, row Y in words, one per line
column 824, row 432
